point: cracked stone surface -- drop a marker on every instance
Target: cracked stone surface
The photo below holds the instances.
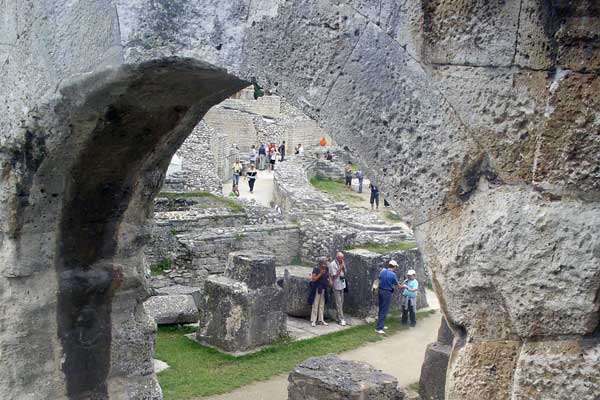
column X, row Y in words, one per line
column 478, row 119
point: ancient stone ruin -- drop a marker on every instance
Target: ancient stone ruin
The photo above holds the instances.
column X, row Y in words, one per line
column 480, row 120
column 329, row 378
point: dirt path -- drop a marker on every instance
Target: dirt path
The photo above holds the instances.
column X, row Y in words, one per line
column 263, row 188
column 400, row 355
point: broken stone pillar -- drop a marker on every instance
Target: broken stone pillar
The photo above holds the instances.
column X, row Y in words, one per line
column 364, row 267
column 432, row 382
column 238, row 316
column 329, row 378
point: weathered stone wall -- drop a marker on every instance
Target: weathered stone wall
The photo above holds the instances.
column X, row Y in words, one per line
column 479, row 119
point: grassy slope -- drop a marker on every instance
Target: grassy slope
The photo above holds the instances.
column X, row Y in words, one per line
column 336, row 190
column 385, row 249
column 200, row 371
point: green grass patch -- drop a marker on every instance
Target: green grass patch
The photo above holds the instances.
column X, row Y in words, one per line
column 336, row 190
column 161, row 267
column 414, row 386
column 385, row 249
column 211, row 199
column 392, row 216
column 201, row 371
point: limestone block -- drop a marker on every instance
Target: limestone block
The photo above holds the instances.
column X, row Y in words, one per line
column 172, row 309
column 181, row 290
column 364, row 267
column 236, row 319
column 555, row 370
column 481, row 32
column 477, row 258
column 432, row 383
column 482, row 370
column 329, row 378
column 295, row 281
column 254, row 269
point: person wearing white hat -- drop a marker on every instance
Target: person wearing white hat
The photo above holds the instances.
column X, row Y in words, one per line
column 409, row 298
column 388, row 281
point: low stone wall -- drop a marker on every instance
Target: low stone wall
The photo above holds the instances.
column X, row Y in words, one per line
column 201, row 253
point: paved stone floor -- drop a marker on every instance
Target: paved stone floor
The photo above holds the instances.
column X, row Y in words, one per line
column 300, row 328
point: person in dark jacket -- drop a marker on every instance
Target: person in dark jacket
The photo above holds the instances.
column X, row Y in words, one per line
column 388, row 282
column 282, row 150
column 320, row 281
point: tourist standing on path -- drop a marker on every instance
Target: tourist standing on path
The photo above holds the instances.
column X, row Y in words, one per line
column 251, row 174
column 282, row 150
column 360, row 176
column 300, row 150
column 252, row 155
column 348, row 171
column 272, row 158
column 262, row 156
column 323, row 142
column 388, row 281
column 374, row 195
column 329, row 156
column 319, row 284
column 337, row 271
column 237, row 171
column 409, row 298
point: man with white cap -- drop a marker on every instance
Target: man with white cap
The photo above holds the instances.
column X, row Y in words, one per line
column 409, row 298
column 388, row 281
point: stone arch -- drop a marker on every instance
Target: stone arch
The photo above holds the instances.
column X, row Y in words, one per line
column 87, row 148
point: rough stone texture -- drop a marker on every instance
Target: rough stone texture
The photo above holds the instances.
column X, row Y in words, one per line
column 172, row 309
column 91, row 117
column 253, row 268
column 329, row 378
column 568, row 369
column 295, row 281
column 490, row 372
column 195, row 292
column 432, row 382
column 236, row 319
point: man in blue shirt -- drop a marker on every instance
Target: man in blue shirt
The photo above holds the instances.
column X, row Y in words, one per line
column 388, row 281
column 409, row 298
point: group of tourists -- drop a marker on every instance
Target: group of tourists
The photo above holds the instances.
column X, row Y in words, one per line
column 350, row 173
column 332, row 274
column 238, row 171
column 328, row 273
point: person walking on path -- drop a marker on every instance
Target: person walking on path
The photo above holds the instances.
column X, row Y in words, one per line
column 252, row 155
column 348, row 172
column 262, row 156
column 337, row 272
column 409, row 298
column 374, row 195
column 282, row 150
column 237, row 171
column 251, row 174
column 360, row 176
column 319, row 283
column 388, row 281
